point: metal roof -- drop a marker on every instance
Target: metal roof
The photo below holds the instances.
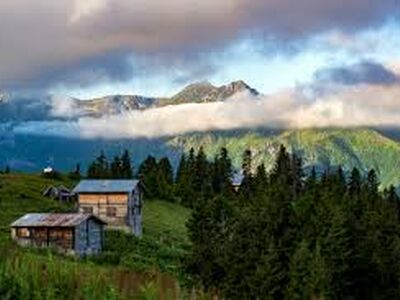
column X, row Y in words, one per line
column 53, row 220
column 237, row 179
column 105, row 186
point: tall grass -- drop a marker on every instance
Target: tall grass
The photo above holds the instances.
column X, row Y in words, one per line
column 25, row 276
column 34, row 275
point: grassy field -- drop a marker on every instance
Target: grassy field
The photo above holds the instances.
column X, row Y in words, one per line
column 129, row 268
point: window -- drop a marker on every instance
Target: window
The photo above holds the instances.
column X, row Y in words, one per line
column 111, row 211
column 23, row 232
column 87, row 209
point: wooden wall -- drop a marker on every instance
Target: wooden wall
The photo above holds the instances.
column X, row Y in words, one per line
column 59, row 238
column 100, row 204
column 127, row 207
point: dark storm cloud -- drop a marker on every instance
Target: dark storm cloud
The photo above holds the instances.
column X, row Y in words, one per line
column 41, row 38
column 365, row 72
column 103, row 68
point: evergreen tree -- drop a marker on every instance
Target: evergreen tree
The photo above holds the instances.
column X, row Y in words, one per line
column 148, row 174
column 126, row 167
column 355, row 183
column 99, row 168
column 165, row 179
column 202, row 186
column 246, row 188
column 222, row 174
column 116, row 168
column 300, row 273
column 183, row 183
column 165, row 168
column 75, row 174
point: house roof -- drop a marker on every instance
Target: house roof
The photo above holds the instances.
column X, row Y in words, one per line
column 53, row 220
column 105, row 186
column 237, row 179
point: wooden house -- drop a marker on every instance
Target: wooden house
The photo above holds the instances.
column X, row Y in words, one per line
column 60, row 193
column 118, row 202
column 74, row 233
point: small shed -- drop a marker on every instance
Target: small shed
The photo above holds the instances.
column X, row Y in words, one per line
column 62, row 193
column 74, row 233
column 118, row 202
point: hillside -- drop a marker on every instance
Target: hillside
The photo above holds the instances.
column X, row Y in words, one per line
column 361, row 148
column 133, row 266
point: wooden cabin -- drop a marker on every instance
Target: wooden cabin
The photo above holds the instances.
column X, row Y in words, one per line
column 75, row 233
column 118, row 202
column 60, row 193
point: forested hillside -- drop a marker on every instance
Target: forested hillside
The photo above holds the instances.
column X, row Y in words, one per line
column 324, row 148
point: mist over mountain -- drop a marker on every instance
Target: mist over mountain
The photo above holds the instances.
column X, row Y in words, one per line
column 46, row 107
column 50, row 130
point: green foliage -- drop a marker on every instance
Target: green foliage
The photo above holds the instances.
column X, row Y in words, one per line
column 364, row 149
column 290, row 236
column 157, row 178
column 119, row 168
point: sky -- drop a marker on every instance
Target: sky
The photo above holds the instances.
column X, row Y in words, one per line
column 96, row 47
column 322, row 61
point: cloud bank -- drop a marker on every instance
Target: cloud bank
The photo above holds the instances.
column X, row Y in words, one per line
column 360, row 105
column 51, row 41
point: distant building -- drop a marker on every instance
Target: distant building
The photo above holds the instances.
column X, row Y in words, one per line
column 48, row 170
column 60, row 193
column 75, row 233
column 236, row 180
column 118, row 202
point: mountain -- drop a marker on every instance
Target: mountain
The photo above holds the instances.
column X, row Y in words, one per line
column 206, row 92
column 113, row 105
column 41, row 107
column 200, row 92
column 324, row 148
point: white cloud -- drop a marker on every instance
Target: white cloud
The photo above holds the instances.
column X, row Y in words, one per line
column 363, row 105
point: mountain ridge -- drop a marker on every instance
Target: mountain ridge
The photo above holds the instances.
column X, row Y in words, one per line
column 33, row 109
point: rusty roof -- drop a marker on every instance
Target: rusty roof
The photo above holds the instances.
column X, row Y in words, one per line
column 53, row 220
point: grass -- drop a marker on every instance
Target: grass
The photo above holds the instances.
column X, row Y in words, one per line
column 130, row 268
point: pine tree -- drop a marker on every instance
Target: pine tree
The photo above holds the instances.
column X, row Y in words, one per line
column 165, row 179
column 126, row 167
column 300, row 273
column 75, row 174
column 222, row 174
column 355, row 183
column 339, row 252
column 116, row 168
column 148, row 174
column 246, row 188
column 165, row 168
column 202, row 185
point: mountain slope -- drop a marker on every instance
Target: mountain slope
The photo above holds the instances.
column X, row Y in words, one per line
column 361, row 148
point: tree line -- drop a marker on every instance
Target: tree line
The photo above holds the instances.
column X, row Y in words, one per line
column 194, row 178
column 286, row 234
